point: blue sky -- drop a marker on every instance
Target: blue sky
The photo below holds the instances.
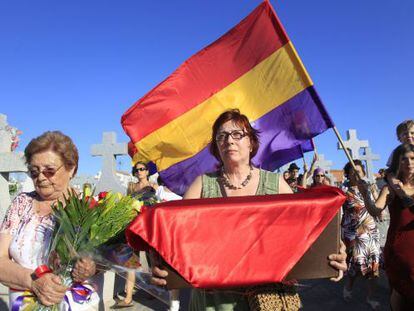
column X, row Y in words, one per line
column 77, row 66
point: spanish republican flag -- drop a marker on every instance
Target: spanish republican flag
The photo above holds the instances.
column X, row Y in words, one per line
column 253, row 67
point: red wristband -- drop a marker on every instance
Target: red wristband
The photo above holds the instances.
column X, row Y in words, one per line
column 40, row 271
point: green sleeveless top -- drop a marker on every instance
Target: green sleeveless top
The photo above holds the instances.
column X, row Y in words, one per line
column 202, row 300
column 268, row 184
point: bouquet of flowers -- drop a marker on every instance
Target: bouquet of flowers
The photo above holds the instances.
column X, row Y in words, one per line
column 89, row 227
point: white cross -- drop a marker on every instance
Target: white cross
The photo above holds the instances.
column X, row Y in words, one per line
column 368, row 157
column 353, row 144
column 109, row 150
column 10, row 162
column 323, row 163
column 3, row 120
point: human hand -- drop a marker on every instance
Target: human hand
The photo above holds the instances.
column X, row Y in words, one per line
column 395, row 183
column 48, row 289
column 158, row 276
column 338, row 261
column 84, row 268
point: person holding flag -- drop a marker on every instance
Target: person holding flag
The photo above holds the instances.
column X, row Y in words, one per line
column 234, row 143
column 253, row 68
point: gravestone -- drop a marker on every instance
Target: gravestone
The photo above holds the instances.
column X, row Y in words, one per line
column 368, row 157
column 323, row 163
column 109, row 150
column 10, row 162
column 326, row 166
column 353, row 144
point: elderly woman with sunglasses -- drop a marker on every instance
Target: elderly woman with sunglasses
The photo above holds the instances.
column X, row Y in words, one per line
column 234, row 144
column 27, row 229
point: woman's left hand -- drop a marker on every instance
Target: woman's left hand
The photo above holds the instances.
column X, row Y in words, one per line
column 338, row 261
column 84, row 268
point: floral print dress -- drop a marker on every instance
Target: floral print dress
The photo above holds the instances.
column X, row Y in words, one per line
column 31, row 236
column 360, row 235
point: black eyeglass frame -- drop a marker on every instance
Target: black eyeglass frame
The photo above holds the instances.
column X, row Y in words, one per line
column 223, row 136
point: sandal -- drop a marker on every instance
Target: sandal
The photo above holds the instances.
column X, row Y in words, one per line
column 120, row 304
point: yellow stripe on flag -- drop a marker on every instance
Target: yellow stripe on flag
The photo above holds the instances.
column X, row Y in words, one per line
column 269, row 84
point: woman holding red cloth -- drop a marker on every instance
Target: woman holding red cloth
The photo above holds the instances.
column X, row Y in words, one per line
column 399, row 248
column 234, row 144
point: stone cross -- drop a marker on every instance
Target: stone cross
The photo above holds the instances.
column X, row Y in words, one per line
column 326, row 166
column 323, row 163
column 353, row 144
column 368, row 157
column 10, row 162
column 109, row 150
column 5, row 136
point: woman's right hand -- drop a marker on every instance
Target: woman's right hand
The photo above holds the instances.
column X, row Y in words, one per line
column 158, row 276
column 49, row 289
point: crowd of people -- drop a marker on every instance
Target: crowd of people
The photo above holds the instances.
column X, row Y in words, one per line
column 52, row 160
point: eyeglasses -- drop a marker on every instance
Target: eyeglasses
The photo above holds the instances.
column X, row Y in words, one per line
column 319, row 175
column 48, row 172
column 141, row 169
column 236, row 135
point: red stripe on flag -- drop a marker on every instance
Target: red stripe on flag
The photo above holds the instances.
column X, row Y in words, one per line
column 207, row 72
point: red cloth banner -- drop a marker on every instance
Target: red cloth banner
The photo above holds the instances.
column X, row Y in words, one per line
column 237, row 241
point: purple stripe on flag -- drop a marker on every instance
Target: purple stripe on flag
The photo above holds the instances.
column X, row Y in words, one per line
column 285, row 133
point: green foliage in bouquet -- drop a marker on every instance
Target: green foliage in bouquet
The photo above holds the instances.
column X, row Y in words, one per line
column 84, row 224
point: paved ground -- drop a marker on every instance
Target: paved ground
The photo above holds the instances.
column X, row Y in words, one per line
column 316, row 295
column 326, row 295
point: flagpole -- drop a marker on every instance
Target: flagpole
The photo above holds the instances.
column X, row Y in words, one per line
column 314, row 146
column 343, row 147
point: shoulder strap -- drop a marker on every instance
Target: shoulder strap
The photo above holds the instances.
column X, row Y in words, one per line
column 270, row 182
column 210, row 187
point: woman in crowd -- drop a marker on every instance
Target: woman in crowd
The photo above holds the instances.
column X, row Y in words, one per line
column 319, row 178
column 234, row 144
column 398, row 251
column 27, row 229
column 144, row 190
column 360, row 234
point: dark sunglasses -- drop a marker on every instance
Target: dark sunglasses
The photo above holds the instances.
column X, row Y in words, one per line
column 141, row 169
column 236, row 135
column 47, row 172
column 319, row 175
